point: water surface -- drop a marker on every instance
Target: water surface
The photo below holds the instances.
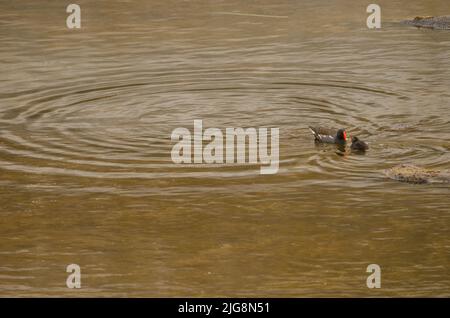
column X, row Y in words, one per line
column 86, row 175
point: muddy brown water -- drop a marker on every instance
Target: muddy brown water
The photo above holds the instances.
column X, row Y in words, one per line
column 86, row 175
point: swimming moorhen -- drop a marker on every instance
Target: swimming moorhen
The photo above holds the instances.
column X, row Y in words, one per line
column 330, row 136
column 358, row 145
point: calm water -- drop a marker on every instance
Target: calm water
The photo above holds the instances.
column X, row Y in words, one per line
column 86, row 175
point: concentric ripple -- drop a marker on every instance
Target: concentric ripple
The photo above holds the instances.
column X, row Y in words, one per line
column 122, row 130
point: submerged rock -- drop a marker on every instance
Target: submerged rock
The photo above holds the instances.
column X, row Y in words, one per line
column 441, row 23
column 414, row 174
